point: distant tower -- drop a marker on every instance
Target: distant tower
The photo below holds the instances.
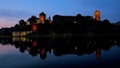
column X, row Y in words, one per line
column 42, row 17
column 97, row 15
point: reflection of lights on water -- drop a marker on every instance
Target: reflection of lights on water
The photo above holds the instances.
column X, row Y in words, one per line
column 48, row 43
column 23, row 39
column 38, row 50
column 28, row 40
column 42, row 51
column 52, row 41
column 87, row 45
column 76, row 48
column 68, row 41
column 28, row 32
column 28, row 48
column 35, row 44
column 90, row 41
column 110, row 40
column 16, row 39
column 115, row 41
column 98, row 53
column 94, row 43
column 31, row 40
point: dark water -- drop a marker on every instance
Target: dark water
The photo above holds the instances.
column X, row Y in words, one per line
column 65, row 52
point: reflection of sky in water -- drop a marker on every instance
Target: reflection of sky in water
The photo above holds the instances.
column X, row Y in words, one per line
column 111, row 56
column 6, row 49
column 11, row 57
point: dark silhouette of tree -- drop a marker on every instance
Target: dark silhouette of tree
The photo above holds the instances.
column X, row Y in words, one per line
column 32, row 20
column 22, row 25
column 16, row 27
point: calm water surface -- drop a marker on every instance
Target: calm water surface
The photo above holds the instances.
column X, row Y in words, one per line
column 52, row 54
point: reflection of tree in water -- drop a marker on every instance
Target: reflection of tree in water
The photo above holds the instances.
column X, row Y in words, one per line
column 63, row 46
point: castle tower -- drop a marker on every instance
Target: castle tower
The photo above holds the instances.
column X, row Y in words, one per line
column 42, row 17
column 97, row 15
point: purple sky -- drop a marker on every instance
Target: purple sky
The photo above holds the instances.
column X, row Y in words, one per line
column 11, row 11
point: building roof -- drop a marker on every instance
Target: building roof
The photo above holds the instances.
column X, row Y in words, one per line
column 42, row 13
column 97, row 11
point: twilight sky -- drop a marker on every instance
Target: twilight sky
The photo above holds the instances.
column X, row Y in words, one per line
column 11, row 11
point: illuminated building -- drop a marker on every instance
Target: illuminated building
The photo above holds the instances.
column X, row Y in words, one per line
column 64, row 19
column 70, row 19
column 23, row 33
column 42, row 17
column 34, row 27
column 27, row 23
column 97, row 15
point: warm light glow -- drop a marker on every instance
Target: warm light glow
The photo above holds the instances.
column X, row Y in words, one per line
column 15, row 39
column 28, row 23
column 34, row 27
column 23, row 33
column 23, row 39
column 35, row 44
column 42, row 19
column 16, row 33
column 97, row 15
column 98, row 53
column 42, row 52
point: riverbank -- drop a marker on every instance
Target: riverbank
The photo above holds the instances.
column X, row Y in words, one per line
column 65, row 35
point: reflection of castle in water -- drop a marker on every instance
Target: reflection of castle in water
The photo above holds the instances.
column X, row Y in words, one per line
column 62, row 46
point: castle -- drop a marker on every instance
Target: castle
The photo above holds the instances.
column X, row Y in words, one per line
column 33, row 24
